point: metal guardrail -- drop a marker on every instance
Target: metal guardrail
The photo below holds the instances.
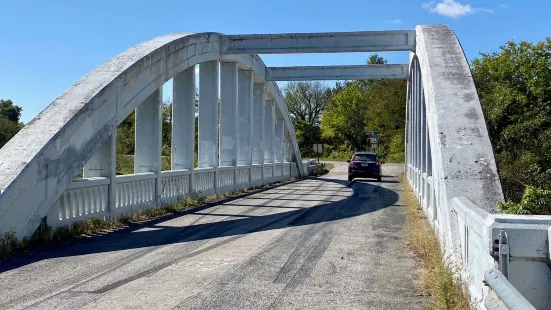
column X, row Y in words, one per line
column 504, row 295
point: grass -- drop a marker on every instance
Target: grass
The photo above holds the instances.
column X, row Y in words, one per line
column 10, row 245
column 324, row 170
column 438, row 278
column 125, row 165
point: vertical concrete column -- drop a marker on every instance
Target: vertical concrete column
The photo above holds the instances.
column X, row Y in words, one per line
column 104, row 164
column 413, row 124
column 208, row 114
column 269, row 126
column 416, row 130
column 423, row 146
column 419, row 134
column 148, row 138
column 278, row 141
column 408, row 131
column 259, row 96
column 286, row 151
column 245, row 118
column 228, row 114
column 183, row 123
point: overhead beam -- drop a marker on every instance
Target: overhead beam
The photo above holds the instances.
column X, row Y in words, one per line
column 361, row 72
column 323, row 42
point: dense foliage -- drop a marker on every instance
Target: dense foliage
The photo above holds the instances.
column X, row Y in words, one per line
column 514, row 86
column 306, row 102
column 9, row 120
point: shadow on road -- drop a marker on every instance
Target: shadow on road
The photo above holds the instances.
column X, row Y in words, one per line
column 350, row 200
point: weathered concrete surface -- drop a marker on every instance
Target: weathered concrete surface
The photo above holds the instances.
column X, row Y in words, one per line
column 39, row 163
column 313, row 244
column 463, row 158
column 320, row 42
column 354, row 72
column 463, row 162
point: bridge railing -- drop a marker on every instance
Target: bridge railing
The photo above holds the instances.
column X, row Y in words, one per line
column 503, row 295
column 451, row 168
column 88, row 198
column 135, row 191
column 517, row 245
column 242, row 120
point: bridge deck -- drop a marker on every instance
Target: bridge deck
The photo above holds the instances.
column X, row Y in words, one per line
column 313, row 244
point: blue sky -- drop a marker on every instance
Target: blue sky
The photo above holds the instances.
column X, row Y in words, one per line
column 46, row 46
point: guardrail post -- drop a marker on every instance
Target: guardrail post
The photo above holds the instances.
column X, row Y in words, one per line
column 504, row 253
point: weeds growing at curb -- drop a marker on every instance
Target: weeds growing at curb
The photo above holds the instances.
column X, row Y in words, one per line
column 438, row 278
column 10, row 245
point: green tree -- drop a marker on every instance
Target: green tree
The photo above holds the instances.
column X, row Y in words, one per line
column 345, row 119
column 10, row 111
column 358, row 107
column 9, row 120
column 125, row 135
column 8, row 129
column 306, row 102
column 514, row 85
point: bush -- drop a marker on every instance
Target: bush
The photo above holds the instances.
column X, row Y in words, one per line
column 396, row 149
column 534, row 201
column 61, row 234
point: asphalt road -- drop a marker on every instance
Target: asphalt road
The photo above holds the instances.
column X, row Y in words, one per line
column 320, row 243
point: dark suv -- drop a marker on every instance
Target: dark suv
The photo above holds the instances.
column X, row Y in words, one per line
column 364, row 165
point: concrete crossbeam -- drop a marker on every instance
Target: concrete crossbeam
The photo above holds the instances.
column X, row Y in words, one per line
column 360, row 72
column 323, row 42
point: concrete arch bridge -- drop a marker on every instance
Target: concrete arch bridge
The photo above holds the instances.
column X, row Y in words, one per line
column 246, row 138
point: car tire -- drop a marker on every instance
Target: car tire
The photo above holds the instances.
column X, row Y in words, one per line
column 350, row 178
column 379, row 179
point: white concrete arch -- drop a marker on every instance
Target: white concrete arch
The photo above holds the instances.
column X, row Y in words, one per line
column 449, row 153
column 43, row 158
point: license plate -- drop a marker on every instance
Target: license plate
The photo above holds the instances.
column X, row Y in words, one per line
column 365, row 164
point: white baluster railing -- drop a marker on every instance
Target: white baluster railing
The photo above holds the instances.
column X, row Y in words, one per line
column 268, row 173
column 278, row 172
column 225, row 179
column 88, row 198
column 175, row 185
column 256, row 175
column 242, row 177
column 83, row 199
column 286, row 170
column 204, row 180
column 135, row 192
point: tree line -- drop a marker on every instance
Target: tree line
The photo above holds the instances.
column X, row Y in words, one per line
column 10, row 114
column 513, row 84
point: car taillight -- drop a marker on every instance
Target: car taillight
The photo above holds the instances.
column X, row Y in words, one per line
column 352, row 160
column 378, row 163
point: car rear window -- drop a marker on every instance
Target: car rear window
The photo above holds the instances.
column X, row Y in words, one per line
column 365, row 157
